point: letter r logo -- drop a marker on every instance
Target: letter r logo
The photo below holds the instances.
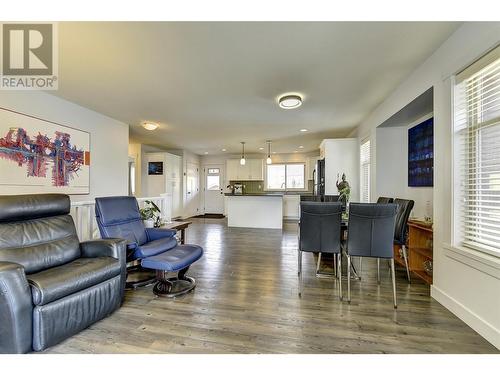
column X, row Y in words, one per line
column 27, row 49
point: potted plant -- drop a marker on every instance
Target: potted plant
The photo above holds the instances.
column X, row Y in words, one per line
column 344, row 190
column 150, row 215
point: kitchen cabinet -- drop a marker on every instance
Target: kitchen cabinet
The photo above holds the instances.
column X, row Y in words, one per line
column 256, row 169
column 232, row 167
column 252, row 170
column 291, row 206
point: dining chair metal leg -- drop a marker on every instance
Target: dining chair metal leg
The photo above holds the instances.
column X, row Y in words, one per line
column 298, row 242
column 335, row 262
column 378, row 270
column 298, row 262
column 393, row 275
column 339, row 273
column 319, row 263
column 300, row 273
column 348, row 278
column 405, row 256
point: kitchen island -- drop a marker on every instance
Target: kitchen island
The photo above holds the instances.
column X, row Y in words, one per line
column 255, row 210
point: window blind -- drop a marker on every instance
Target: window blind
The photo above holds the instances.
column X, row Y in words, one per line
column 477, row 155
column 364, row 157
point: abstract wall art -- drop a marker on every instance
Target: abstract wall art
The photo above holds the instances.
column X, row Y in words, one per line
column 40, row 156
column 421, row 154
column 155, row 168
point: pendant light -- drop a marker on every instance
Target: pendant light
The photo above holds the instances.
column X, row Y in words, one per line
column 242, row 160
column 268, row 160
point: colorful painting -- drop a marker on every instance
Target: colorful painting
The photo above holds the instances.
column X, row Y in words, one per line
column 421, row 154
column 39, row 156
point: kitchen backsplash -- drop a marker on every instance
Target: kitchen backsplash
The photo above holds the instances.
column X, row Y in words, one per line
column 253, row 187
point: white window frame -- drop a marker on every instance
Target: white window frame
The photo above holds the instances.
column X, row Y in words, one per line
column 361, row 164
column 478, row 255
column 287, row 189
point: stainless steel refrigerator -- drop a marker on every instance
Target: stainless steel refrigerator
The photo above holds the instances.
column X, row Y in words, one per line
column 319, row 178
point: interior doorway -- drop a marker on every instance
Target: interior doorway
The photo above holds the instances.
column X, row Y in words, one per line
column 131, row 176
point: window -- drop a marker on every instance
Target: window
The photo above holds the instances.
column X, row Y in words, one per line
column 477, row 155
column 213, row 182
column 285, row 176
column 364, row 158
column 295, row 176
column 213, row 179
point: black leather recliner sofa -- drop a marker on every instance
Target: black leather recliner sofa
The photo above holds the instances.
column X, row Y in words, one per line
column 51, row 285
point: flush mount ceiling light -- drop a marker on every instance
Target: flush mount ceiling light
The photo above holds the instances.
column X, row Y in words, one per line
column 301, row 146
column 223, row 150
column 303, row 130
column 242, row 160
column 269, row 160
column 150, row 126
column 290, row 101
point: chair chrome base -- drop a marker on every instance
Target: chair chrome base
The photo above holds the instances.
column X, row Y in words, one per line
column 173, row 286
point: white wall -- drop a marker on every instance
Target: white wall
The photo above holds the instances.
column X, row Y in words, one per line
column 108, row 138
column 392, row 169
column 468, row 284
column 341, row 157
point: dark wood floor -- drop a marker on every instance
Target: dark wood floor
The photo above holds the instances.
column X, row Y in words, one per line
column 246, row 302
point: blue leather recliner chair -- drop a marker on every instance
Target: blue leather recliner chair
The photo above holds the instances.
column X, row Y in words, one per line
column 156, row 248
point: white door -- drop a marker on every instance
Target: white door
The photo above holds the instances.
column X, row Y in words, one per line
column 214, row 189
column 192, row 189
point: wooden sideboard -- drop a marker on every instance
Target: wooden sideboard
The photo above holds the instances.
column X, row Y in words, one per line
column 419, row 248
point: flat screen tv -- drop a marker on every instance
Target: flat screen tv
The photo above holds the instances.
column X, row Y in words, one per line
column 421, row 154
column 155, row 168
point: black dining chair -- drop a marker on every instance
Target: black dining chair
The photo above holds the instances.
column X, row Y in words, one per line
column 371, row 234
column 401, row 230
column 319, row 231
column 385, row 200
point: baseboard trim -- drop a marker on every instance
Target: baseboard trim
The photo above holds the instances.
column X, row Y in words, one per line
column 470, row 318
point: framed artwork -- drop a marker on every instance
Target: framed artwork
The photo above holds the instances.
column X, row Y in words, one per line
column 155, row 168
column 40, row 156
column 421, row 154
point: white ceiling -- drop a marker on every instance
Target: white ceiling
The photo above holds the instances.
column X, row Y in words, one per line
column 211, row 85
